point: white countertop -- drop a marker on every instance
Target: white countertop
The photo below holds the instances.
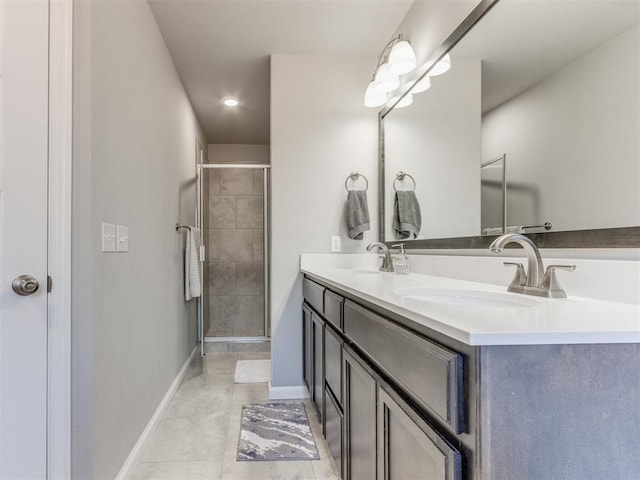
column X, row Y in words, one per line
column 573, row 320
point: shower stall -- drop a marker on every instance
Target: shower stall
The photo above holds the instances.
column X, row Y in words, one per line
column 233, row 215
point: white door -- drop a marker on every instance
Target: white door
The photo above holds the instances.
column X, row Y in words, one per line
column 23, row 237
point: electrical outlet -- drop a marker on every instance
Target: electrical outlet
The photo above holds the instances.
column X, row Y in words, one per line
column 335, row 243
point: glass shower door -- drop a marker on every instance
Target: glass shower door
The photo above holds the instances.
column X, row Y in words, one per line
column 235, row 230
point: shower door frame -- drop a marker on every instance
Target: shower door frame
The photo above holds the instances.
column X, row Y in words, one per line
column 266, row 169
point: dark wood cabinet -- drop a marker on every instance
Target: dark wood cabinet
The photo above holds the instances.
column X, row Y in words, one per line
column 333, row 362
column 360, row 419
column 426, row 370
column 409, row 402
column 317, row 391
column 408, row 447
column 334, row 429
column 307, row 348
column 371, row 434
column 313, row 357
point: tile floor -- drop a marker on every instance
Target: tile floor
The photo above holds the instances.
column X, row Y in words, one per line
column 198, row 435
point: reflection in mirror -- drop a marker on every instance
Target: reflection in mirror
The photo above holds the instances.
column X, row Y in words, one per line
column 493, row 214
column 437, row 140
column 554, row 86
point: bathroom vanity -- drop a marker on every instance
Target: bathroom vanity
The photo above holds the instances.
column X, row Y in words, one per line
column 435, row 378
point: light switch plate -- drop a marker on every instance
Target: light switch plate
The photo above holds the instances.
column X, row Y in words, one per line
column 108, row 237
column 122, row 237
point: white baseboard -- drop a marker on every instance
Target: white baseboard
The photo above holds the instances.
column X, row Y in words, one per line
column 286, row 393
column 138, row 448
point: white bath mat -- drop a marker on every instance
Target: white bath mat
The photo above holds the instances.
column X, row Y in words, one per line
column 252, row 371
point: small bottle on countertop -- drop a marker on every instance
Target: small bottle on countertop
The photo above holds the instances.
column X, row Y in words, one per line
column 401, row 263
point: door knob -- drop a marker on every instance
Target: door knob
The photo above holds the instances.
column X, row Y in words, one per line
column 25, row 285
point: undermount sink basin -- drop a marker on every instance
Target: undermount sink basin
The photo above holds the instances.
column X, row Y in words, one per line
column 461, row 297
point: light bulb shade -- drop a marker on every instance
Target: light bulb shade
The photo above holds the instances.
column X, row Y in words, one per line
column 422, row 85
column 384, row 80
column 405, row 101
column 374, row 98
column 441, row 66
column 402, row 59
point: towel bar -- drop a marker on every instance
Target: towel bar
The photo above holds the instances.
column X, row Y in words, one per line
column 353, row 177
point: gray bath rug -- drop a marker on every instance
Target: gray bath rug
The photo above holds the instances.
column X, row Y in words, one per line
column 276, row 431
column 252, row 371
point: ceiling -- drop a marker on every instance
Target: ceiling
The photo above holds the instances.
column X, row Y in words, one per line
column 222, row 47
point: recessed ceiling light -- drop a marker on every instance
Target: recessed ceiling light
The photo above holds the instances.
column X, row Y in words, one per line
column 230, row 101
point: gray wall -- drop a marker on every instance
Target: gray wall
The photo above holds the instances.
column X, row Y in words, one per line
column 134, row 165
column 237, row 153
column 320, row 132
column 590, row 183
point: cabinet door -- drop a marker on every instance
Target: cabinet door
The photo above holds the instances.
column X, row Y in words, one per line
column 360, row 419
column 318, row 365
column 333, row 362
column 334, row 432
column 307, row 349
column 409, row 447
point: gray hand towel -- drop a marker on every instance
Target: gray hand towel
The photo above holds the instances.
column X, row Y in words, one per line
column 407, row 218
column 357, row 212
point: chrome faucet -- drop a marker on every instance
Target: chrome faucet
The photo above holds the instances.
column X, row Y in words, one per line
column 533, row 282
column 387, row 261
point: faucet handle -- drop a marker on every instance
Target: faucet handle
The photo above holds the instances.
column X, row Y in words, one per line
column 520, row 278
column 550, row 281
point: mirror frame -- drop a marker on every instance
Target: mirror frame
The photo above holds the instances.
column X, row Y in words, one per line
column 617, row 237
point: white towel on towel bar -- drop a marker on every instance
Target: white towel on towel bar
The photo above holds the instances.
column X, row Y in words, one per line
column 192, row 284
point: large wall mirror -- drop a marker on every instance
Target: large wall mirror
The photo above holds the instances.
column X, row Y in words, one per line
column 534, row 128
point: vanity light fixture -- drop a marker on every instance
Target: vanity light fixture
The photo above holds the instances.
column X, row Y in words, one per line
column 422, row 85
column 396, row 59
column 230, row 101
column 405, row 101
column 441, row 66
column 374, row 98
column 401, row 58
column 385, row 81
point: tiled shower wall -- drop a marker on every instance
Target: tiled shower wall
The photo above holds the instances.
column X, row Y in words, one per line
column 235, row 256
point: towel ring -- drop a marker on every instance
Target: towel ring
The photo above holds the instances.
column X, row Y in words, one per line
column 400, row 176
column 353, row 177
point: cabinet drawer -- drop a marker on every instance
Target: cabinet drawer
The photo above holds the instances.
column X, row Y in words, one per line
column 333, row 308
column 430, row 373
column 333, row 429
column 314, row 294
column 333, row 362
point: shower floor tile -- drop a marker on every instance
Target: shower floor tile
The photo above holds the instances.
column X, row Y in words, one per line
column 215, row 331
